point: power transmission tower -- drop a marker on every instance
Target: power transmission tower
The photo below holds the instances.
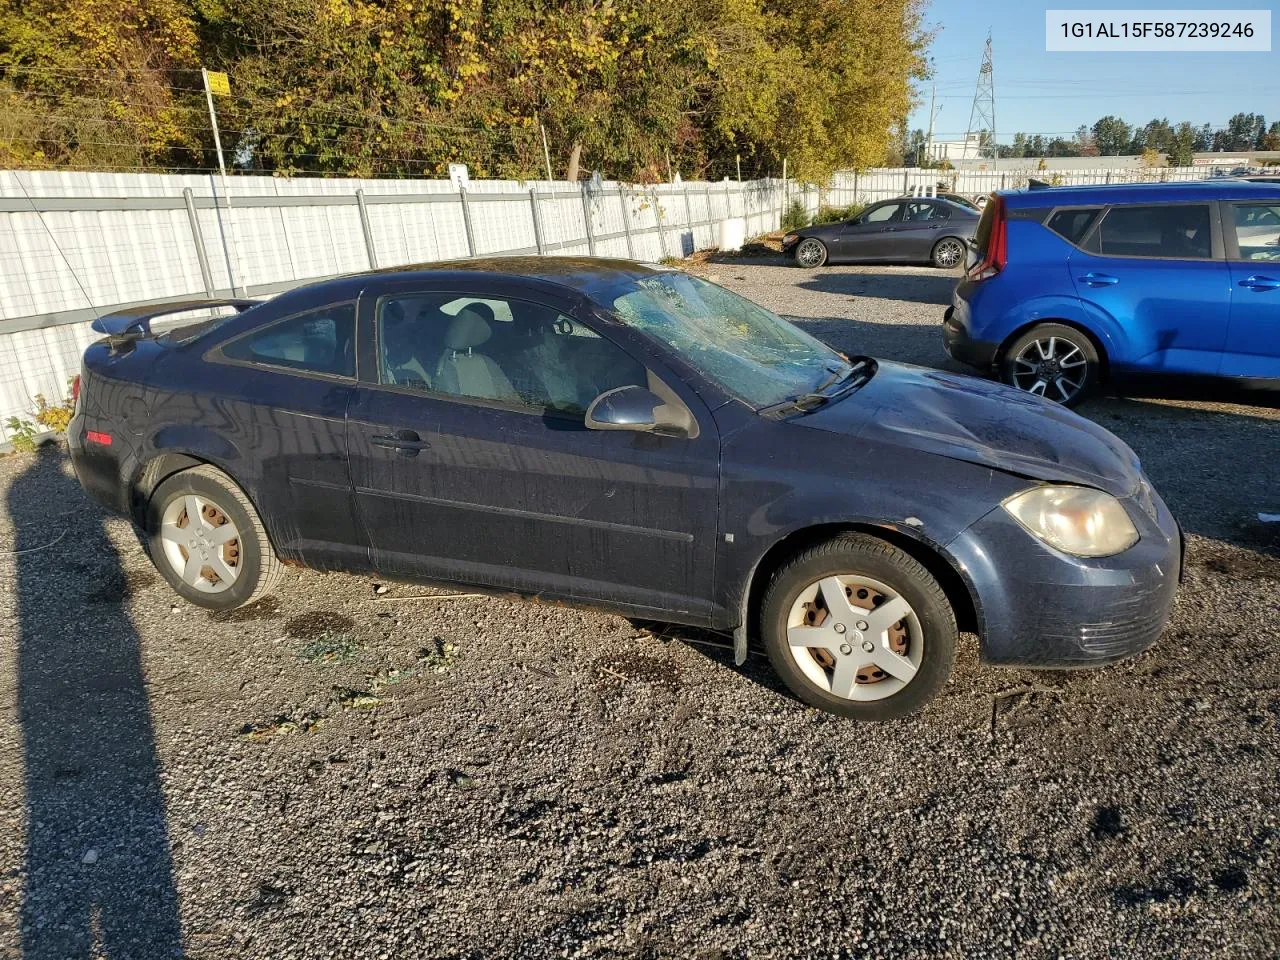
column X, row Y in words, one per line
column 982, row 116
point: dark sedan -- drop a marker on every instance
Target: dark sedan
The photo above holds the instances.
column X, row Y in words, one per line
column 623, row 436
column 909, row 229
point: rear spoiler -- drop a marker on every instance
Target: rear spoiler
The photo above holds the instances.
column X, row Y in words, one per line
column 134, row 322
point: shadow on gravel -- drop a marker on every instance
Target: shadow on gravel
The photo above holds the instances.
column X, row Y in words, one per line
column 909, row 287
column 98, row 874
column 902, row 342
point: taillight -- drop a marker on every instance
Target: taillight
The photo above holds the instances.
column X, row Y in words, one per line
column 75, row 390
column 996, row 252
column 94, row 436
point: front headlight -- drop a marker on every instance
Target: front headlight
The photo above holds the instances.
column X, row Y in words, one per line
column 1075, row 520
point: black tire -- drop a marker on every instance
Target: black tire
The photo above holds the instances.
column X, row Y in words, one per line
column 860, row 554
column 942, row 250
column 810, row 253
column 1068, row 345
column 259, row 569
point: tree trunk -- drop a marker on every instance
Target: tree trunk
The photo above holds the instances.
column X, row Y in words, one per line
column 575, row 155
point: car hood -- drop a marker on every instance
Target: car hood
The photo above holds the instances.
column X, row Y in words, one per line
column 977, row 421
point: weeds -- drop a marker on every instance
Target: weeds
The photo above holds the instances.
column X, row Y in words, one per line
column 795, row 217
column 22, row 434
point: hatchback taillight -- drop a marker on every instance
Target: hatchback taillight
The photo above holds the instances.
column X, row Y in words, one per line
column 75, row 390
column 992, row 241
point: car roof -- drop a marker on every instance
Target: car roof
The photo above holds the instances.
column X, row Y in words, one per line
column 579, row 274
column 1222, row 188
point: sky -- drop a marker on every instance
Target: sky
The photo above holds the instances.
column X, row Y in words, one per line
column 1054, row 93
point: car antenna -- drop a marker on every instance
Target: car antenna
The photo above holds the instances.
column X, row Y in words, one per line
column 17, row 178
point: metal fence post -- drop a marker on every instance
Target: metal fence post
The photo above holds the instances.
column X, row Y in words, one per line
column 906, row 182
column 537, row 221
column 201, row 254
column 466, row 221
column 662, row 234
column 855, row 186
column 688, row 217
column 1002, row 180
column 368, row 230
column 626, row 222
column 586, row 220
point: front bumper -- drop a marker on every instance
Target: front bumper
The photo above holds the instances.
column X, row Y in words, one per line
column 1042, row 608
column 959, row 345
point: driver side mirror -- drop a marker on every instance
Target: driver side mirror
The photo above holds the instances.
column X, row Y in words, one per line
column 639, row 410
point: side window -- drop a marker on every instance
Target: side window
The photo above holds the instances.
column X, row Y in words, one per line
column 1170, row 231
column 917, row 212
column 319, row 341
column 1072, row 225
column 508, row 351
column 1257, row 227
column 881, row 214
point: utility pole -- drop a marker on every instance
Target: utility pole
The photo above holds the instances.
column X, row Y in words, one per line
column 220, row 83
column 982, row 115
column 933, row 114
column 546, row 151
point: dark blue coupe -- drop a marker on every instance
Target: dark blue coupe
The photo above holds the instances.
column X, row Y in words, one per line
column 623, row 436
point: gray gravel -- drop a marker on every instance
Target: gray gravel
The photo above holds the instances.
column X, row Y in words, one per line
column 347, row 773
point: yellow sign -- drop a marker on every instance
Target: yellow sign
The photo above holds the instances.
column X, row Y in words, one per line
column 219, row 85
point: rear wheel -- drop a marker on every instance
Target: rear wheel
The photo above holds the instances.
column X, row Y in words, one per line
column 811, row 253
column 857, row 627
column 1053, row 361
column 207, row 540
column 948, row 253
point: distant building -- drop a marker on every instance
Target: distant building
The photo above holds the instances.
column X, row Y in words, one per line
column 956, row 151
column 1229, row 161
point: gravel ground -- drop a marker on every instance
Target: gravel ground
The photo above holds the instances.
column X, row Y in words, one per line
column 360, row 770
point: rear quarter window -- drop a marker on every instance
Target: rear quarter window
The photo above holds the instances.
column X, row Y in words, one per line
column 318, row 341
column 1072, row 225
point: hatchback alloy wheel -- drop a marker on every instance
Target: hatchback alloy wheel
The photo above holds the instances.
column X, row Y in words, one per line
column 1053, row 361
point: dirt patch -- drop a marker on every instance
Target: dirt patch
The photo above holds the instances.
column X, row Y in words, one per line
column 630, row 665
column 317, row 624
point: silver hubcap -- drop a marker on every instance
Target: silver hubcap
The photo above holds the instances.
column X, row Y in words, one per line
column 200, row 543
column 949, row 253
column 855, row 637
column 809, row 253
column 1054, row 368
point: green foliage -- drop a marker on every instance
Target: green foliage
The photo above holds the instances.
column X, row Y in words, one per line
column 838, row 214
column 795, row 216
column 54, row 416
column 22, row 434
column 403, row 87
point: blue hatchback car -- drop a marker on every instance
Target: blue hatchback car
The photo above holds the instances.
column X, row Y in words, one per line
column 1076, row 285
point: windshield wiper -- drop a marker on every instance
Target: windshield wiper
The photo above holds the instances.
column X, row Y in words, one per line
column 860, row 371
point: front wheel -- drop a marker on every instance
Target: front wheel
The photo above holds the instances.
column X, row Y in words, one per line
column 948, row 253
column 859, row 628
column 1053, row 361
column 207, row 540
column 811, row 253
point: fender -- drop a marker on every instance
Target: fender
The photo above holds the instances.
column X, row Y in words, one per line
column 1057, row 308
column 910, row 529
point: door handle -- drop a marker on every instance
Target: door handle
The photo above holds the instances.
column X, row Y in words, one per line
column 1099, row 279
column 406, row 443
column 1260, row 283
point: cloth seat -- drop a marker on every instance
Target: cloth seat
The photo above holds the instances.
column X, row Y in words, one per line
column 464, row 372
